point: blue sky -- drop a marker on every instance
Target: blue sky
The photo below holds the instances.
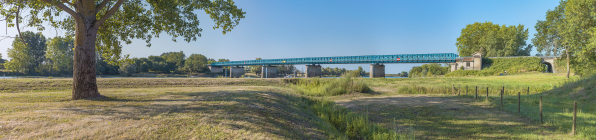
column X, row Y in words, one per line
column 312, row 28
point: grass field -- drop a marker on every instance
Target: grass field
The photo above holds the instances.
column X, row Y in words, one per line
column 209, row 108
column 448, row 117
column 558, row 106
column 218, row 109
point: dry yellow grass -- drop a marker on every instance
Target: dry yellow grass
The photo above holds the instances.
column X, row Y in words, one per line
column 158, row 113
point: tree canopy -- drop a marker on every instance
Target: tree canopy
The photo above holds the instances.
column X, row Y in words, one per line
column 121, row 21
column 427, row 70
column 196, row 63
column 60, row 54
column 27, row 58
column 570, row 31
column 102, row 25
column 493, row 40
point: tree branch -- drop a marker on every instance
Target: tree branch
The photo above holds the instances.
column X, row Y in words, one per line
column 108, row 14
column 66, row 1
column 102, row 5
column 17, row 22
column 63, row 7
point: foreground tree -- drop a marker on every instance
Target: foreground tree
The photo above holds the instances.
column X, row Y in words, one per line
column 101, row 25
column 549, row 38
column 571, row 28
column 579, row 33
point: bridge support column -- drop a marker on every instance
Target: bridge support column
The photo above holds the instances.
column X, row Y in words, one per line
column 313, row 71
column 236, row 72
column 377, row 70
column 216, row 69
column 269, row 72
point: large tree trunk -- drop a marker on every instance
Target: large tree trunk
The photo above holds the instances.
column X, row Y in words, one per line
column 84, row 84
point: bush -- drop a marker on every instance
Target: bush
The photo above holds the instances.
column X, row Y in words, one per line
column 352, row 125
column 127, row 69
column 328, row 87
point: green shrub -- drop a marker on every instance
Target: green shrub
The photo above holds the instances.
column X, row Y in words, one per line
column 328, row 87
column 352, row 125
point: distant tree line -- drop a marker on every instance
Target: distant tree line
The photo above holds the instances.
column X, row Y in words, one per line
column 428, row 70
column 39, row 55
column 54, row 56
column 334, row 72
column 402, row 74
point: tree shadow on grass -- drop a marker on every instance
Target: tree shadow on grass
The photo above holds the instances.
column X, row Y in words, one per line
column 251, row 110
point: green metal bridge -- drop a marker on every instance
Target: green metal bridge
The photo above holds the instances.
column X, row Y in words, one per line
column 365, row 59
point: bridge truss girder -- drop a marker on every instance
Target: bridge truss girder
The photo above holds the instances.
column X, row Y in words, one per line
column 366, row 59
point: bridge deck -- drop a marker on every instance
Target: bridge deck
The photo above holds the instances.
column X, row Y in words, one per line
column 370, row 59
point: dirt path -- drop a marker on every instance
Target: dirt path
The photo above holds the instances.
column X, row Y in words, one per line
column 445, row 117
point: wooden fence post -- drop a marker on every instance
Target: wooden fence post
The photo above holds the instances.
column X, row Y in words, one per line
column 503, row 90
column 528, row 90
column 541, row 110
column 518, row 102
column 487, row 94
column 459, row 90
column 467, row 89
column 453, row 89
column 574, row 116
column 502, row 97
column 476, row 92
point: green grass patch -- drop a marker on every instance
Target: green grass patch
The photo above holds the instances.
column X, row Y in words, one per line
column 352, row 125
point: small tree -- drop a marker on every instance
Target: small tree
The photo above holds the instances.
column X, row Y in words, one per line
column 196, row 63
column 60, row 54
column 256, row 68
column 127, row 69
column 26, row 57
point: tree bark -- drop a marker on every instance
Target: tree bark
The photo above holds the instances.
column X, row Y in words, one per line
column 84, row 84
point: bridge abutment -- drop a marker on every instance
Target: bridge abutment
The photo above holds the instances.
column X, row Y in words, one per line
column 377, row 70
column 269, row 72
column 236, row 72
column 313, row 71
column 550, row 62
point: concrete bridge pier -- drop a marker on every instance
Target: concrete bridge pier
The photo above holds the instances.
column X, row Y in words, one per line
column 216, row 69
column 269, row 72
column 313, row 71
column 236, row 72
column 377, row 70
